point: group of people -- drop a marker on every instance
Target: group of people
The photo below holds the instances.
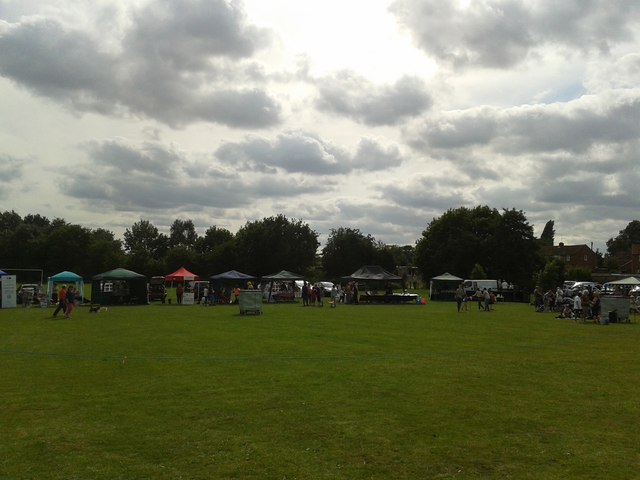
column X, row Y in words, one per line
column 312, row 295
column 484, row 297
column 584, row 305
column 66, row 301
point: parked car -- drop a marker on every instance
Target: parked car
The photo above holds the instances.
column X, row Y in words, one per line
column 197, row 287
column 326, row 287
column 29, row 292
column 157, row 289
column 579, row 287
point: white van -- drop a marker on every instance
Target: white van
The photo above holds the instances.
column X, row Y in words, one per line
column 473, row 285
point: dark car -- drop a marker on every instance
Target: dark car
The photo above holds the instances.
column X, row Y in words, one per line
column 29, row 292
column 198, row 287
column 325, row 287
column 157, row 290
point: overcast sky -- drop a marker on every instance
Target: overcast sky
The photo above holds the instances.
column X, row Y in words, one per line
column 369, row 114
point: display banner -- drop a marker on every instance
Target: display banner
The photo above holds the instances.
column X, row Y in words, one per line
column 188, row 298
column 8, row 291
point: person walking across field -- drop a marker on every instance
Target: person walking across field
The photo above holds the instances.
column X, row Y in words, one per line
column 71, row 298
column 62, row 301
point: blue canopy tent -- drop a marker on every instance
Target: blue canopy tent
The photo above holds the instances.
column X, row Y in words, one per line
column 67, row 278
column 232, row 275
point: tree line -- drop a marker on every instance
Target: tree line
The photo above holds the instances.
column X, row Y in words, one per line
column 479, row 242
column 259, row 248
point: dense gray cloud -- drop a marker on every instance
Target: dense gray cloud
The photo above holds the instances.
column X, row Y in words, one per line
column 575, row 126
column 300, row 152
column 351, row 95
column 502, row 33
column 151, row 177
column 226, row 111
column 172, row 64
column 11, row 169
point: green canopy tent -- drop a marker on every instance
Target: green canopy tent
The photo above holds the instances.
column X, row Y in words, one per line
column 66, row 277
column 119, row 286
column 283, row 276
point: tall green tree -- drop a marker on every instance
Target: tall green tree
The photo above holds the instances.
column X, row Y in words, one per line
column 217, row 250
column 547, row 236
column 626, row 237
column 103, row 252
column 346, row 250
column 276, row 243
column 146, row 248
column 183, row 234
column 143, row 236
column 502, row 244
column 66, row 249
column 456, row 241
column 551, row 275
column 515, row 252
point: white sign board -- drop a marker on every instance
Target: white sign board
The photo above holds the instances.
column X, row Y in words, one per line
column 188, row 298
column 8, row 291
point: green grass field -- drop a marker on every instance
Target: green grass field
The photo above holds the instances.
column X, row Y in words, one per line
column 356, row 392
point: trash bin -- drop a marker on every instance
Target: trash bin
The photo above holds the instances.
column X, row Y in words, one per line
column 250, row 301
column 613, row 316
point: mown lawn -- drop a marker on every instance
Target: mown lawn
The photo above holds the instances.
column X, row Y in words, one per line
column 357, row 392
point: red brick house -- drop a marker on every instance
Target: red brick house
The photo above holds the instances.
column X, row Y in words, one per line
column 573, row 256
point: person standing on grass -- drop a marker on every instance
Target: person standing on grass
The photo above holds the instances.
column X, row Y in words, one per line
column 595, row 307
column 585, row 302
column 459, row 296
column 179, row 293
column 62, row 301
column 304, row 293
column 487, row 300
column 577, row 307
column 334, row 296
column 479, row 297
column 71, row 298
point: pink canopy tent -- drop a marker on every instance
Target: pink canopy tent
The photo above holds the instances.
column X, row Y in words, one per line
column 181, row 275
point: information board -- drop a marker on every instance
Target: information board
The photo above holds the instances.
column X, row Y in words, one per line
column 8, row 291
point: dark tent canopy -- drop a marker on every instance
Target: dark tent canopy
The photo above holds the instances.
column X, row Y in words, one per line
column 232, row 275
column 223, row 281
column 285, row 294
column 119, row 286
column 283, row 275
column 373, row 273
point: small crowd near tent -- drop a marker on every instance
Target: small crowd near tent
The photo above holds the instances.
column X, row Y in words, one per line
column 612, row 301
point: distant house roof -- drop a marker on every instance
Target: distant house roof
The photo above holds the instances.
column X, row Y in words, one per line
column 562, row 249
